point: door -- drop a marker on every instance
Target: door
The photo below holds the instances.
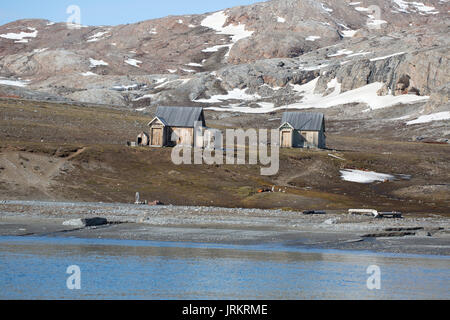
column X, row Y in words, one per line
column 157, row 137
column 286, row 140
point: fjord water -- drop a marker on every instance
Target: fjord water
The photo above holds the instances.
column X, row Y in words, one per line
column 35, row 268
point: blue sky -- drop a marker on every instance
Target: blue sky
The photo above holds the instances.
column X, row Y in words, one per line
column 110, row 12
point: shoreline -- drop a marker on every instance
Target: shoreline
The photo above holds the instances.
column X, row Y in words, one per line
column 229, row 226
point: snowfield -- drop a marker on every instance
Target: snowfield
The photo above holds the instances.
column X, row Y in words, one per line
column 310, row 100
column 366, row 94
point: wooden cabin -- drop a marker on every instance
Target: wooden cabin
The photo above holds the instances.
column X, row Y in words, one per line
column 177, row 123
column 302, row 130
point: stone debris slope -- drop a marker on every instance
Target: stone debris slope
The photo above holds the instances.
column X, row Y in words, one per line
column 270, row 56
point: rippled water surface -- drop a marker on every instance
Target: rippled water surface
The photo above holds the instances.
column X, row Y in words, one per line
column 35, row 268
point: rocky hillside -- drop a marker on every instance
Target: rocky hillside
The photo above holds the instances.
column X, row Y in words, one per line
column 273, row 55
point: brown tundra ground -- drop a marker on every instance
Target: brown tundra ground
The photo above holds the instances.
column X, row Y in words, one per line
column 78, row 153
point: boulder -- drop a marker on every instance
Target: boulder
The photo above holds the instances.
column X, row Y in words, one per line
column 330, row 221
column 86, row 222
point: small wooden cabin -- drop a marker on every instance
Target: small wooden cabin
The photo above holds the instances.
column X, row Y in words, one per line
column 177, row 123
column 302, row 130
column 142, row 139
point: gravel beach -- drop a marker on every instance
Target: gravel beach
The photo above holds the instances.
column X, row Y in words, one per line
column 334, row 230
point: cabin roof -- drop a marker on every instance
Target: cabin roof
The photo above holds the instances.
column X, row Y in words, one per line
column 308, row 121
column 180, row 116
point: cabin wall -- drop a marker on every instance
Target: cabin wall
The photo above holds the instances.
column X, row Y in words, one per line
column 322, row 140
column 185, row 136
column 304, row 139
column 298, row 141
column 310, row 138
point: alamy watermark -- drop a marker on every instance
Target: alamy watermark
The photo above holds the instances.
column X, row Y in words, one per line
column 208, row 148
column 73, row 282
column 374, row 280
column 74, row 20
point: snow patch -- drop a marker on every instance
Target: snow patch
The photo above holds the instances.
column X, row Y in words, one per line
column 360, row 53
column 348, row 33
column 20, row 37
column 312, row 38
column 96, row 63
column 439, row 116
column 98, row 36
column 193, row 64
column 235, row 94
column 125, row 88
column 160, row 80
column 144, row 97
column 88, row 74
column 218, row 47
column 385, row 57
column 40, row 50
column 329, row 10
column 216, row 21
column 418, row 7
column 360, row 176
column 264, row 107
column 340, row 53
column 15, row 83
column 133, row 62
column 183, row 81
column 375, row 22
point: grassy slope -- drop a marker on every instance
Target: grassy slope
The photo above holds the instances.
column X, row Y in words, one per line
column 107, row 170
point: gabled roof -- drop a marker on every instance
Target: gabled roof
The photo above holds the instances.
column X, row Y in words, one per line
column 287, row 123
column 180, row 116
column 308, row 121
column 160, row 119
